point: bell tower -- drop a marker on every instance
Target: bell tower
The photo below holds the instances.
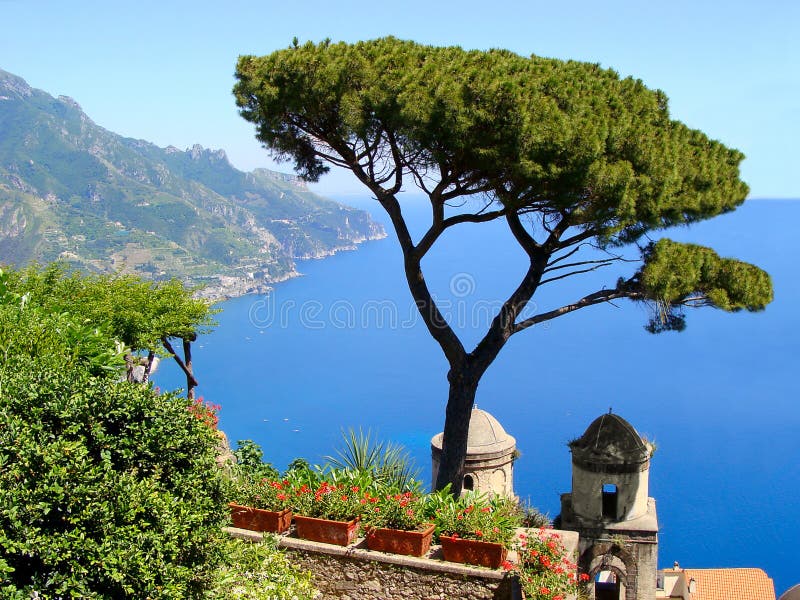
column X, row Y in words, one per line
column 610, row 508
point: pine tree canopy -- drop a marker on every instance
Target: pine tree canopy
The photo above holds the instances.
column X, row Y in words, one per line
column 587, row 153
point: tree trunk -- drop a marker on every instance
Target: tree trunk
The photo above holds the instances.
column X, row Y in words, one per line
column 148, row 366
column 129, row 367
column 191, row 382
column 460, row 400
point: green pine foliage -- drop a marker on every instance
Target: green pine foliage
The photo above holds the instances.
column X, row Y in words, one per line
column 676, row 275
column 565, row 143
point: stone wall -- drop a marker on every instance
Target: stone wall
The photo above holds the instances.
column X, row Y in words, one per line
column 355, row 573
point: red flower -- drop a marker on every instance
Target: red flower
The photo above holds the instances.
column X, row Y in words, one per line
column 544, row 591
column 507, row 566
column 584, row 577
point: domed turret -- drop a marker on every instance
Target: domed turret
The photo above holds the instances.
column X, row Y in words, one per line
column 610, row 444
column 488, row 466
column 610, row 463
column 610, row 509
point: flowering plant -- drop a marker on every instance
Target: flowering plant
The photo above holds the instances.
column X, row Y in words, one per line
column 261, row 492
column 398, row 510
column 206, row 412
column 544, row 569
column 335, row 501
column 478, row 517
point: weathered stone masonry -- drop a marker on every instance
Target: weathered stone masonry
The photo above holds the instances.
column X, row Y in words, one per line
column 355, row 573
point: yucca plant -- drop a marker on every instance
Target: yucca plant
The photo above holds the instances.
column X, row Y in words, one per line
column 389, row 464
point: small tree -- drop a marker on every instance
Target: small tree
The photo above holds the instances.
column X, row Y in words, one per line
column 566, row 153
column 145, row 316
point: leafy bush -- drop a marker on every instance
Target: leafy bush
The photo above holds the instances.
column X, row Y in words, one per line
column 258, row 571
column 249, row 460
column 107, row 489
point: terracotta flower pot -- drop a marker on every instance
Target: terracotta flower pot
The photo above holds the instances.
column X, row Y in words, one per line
column 398, row 541
column 473, row 552
column 341, row 533
column 257, row 519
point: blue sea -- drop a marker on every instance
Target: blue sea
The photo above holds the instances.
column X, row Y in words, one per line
column 343, row 347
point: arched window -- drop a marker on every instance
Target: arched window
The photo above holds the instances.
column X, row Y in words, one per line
column 469, row 483
column 610, row 501
column 607, row 586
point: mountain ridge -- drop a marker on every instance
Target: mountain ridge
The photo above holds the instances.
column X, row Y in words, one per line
column 71, row 190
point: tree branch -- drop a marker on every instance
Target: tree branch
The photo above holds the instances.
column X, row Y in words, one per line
column 189, row 375
column 531, row 247
column 439, row 227
column 578, row 272
column 590, row 300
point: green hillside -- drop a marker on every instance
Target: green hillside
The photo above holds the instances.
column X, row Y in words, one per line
column 73, row 191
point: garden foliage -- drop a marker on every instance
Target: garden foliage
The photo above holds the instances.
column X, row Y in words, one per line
column 107, row 489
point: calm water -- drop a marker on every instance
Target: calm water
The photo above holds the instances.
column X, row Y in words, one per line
column 342, row 347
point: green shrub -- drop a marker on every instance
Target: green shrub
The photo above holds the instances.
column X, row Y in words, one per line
column 259, row 571
column 107, row 489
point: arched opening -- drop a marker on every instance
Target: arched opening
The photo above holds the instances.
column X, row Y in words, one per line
column 607, row 586
column 608, row 567
column 469, row 483
column 610, row 501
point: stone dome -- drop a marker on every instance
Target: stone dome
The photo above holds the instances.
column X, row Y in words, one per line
column 793, row 593
column 610, row 441
column 485, row 435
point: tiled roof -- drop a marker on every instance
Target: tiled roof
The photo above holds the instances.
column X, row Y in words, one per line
column 731, row 584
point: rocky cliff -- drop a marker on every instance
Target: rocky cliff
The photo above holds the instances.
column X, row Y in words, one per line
column 73, row 191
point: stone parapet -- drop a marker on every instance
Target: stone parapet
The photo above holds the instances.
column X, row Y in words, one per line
column 356, row 573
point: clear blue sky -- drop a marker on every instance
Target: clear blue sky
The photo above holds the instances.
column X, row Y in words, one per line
column 163, row 71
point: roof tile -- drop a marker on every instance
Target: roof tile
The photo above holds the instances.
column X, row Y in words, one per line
column 731, row 584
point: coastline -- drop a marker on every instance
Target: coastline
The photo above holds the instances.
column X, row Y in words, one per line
column 232, row 286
